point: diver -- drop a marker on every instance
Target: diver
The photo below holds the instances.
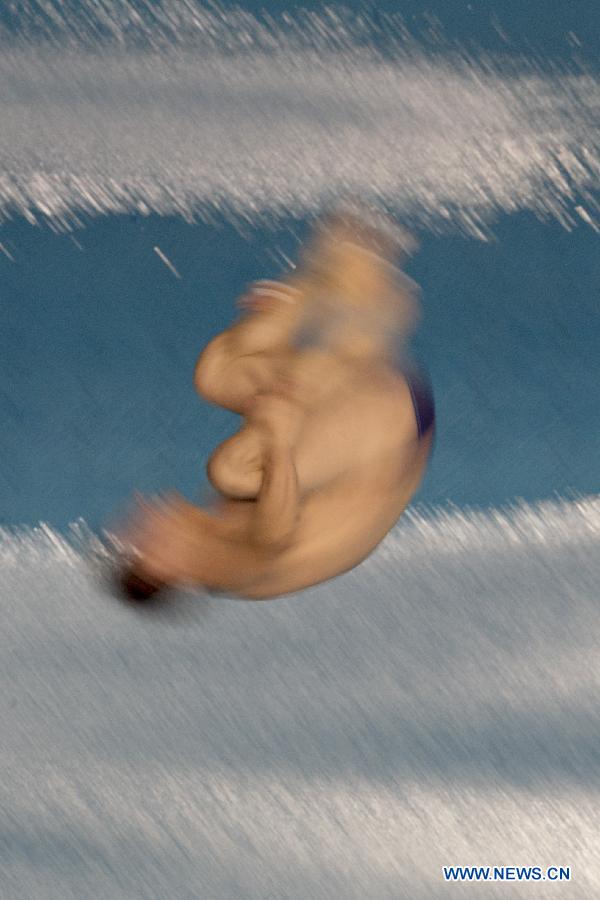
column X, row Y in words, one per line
column 335, row 439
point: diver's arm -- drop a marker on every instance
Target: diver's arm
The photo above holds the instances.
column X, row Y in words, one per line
column 277, row 505
column 278, row 501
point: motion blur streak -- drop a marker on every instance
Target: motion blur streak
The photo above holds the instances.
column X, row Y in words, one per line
column 180, row 110
column 436, row 706
column 439, row 703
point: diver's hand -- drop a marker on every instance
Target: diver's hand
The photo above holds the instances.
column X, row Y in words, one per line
column 162, row 538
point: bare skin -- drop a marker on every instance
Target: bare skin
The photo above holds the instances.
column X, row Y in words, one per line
column 328, row 456
column 344, row 383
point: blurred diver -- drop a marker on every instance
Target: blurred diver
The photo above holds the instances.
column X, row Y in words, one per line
column 335, row 440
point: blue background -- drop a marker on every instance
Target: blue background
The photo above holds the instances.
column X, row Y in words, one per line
column 97, row 345
column 97, row 349
column 444, row 687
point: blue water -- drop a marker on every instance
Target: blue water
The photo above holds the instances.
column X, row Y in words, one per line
column 98, row 347
column 553, row 30
column 436, row 706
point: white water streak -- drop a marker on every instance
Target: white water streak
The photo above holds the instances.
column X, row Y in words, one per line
column 272, row 126
column 437, row 706
column 167, row 262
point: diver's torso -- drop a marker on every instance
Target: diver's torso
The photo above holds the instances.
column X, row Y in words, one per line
column 342, row 524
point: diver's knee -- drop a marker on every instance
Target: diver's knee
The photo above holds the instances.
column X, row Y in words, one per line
column 233, row 478
column 208, row 372
column 206, row 380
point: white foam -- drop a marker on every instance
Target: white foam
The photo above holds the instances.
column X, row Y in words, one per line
column 437, row 706
column 184, row 111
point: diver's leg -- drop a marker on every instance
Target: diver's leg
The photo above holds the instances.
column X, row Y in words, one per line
column 235, row 468
column 356, row 302
column 369, row 414
column 358, row 406
column 344, row 385
column 312, row 379
column 240, row 361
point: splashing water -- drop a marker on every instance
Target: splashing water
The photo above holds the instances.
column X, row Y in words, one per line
column 175, row 109
column 436, row 706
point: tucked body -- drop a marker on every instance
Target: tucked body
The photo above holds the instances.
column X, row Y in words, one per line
column 333, row 444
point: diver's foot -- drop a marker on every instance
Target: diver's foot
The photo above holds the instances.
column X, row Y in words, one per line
column 354, row 284
column 269, row 296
